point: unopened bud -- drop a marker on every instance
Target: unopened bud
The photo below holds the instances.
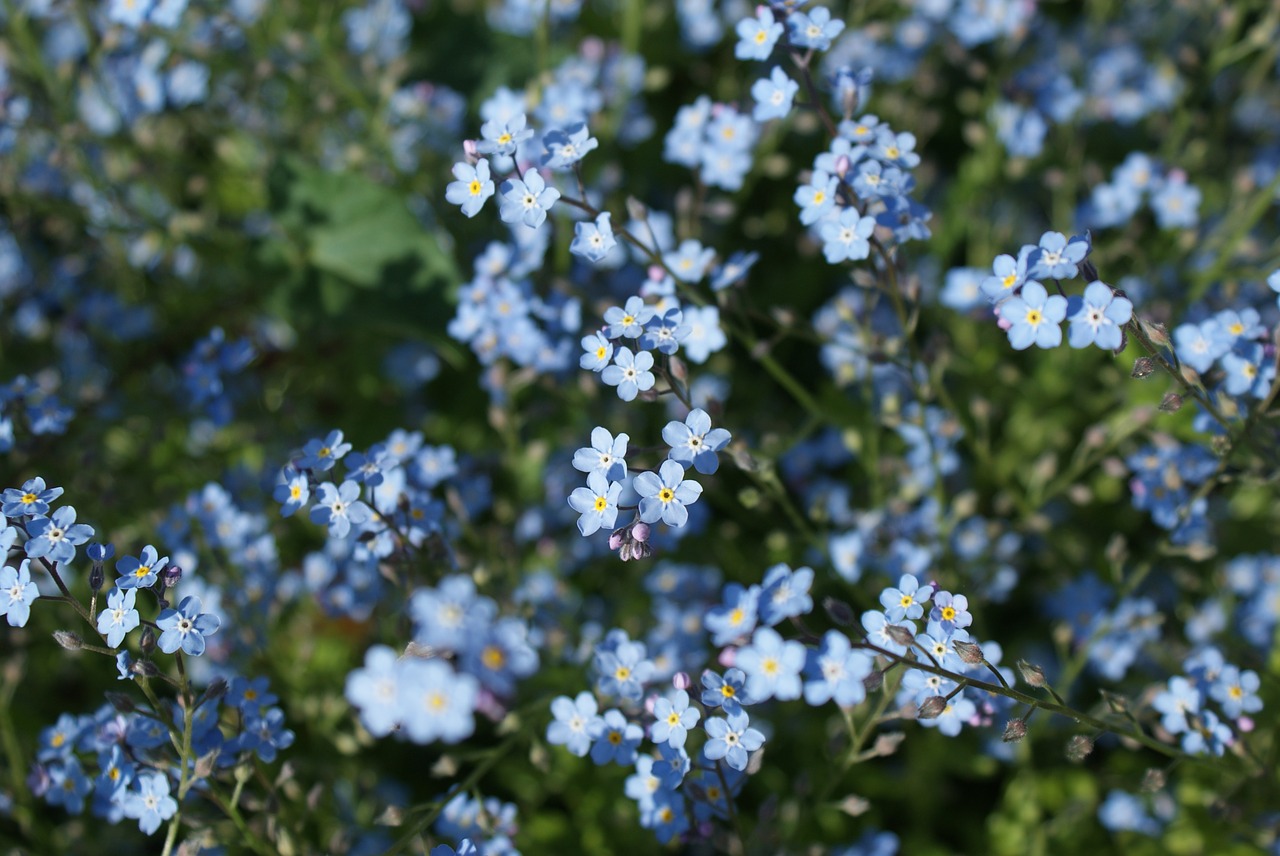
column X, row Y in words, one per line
column 1015, row 730
column 1032, row 674
column 932, row 707
column 217, row 689
column 681, row 680
column 640, row 532
column 68, row 640
column 679, row 370
column 873, row 681
column 1079, row 748
column 121, row 702
column 207, row 763
column 147, row 644
column 636, row 209
column 1153, row 780
column 169, row 576
column 969, row 652
column 146, row 668
column 1117, row 703
column 1156, row 332
column 1088, row 271
column 97, row 576
column 887, row 744
column 1171, row 403
column 1143, row 367
column 899, row 634
column 838, row 611
column 615, row 538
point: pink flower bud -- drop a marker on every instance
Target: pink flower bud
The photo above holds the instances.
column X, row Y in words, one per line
column 681, row 680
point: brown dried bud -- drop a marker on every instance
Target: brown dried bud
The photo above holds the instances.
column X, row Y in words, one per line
column 887, row 744
column 636, row 209
column 932, row 707
column 1079, row 748
column 1171, row 403
column 838, row 611
column 970, row 653
column 1156, row 332
column 68, row 640
column 1143, row 367
column 1015, row 730
column 147, row 644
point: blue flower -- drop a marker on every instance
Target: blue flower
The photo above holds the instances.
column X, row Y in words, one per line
column 630, row 373
column 1008, row 275
column 772, row 665
column 593, row 241
column 664, row 332
column 735, row 617
column 673, row 717
column 375, row 690
column 186, row 627
column 628, row 320
column 1208, row 735
column 1099, row 318
column 293, row 491
column 321, row 455
column 757, row 36
column 950, row 611
column 624, row 671
column 690, row 261
column 731, row 738
column 665, row 494
column 694, row 443
column 565, row 148
column 340, row 507
column 1237, row 691
column 119, row 617
column 734, row 270
column 597, row 504
column 816, row 198
column 607, row 455
column 472, row 188
column 142, row 571
column 56, row 537
column 17, row 593
column 877, row 625
column 814, row 30
column 576, row 723
column 773, row 95
column 31, row 500
column 150, row 804
column 597, row 352
column 785, row 593
column 905, row 600
column 727, row 692
column 836, row 671
column 617, row 741
column 1034, row 317
column 502, row 137
column 845, row 237
column 435, row 702
column 1055, row 258
column 527, row 201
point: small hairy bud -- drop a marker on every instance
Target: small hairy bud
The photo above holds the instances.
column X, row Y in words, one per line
column 1079, row 748
column 1156, row 332
column 170, row 576
column 121, row 702
column 68, row 640
column 1015, row 730
column 1032, row 674
column 636, row 209
column 887, row 744
column 1143, row 367
column 1088, row 271
column 1117, row 703
column 97, row 576
column 206, row 764
column 969, row 653
column 147, row 644
column 1153, row 780
column 899, row 634
column 1171, row 403
column 838, row 611
column 146, row 668
column 217, row 689
column 873, row 681
column 932, row 707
